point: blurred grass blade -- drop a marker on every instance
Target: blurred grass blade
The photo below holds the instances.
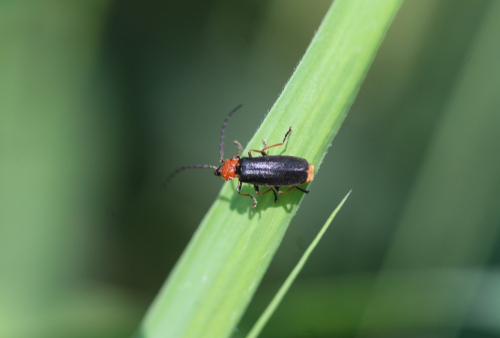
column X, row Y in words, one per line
column 264, row 318
column 450, row 220
column 218, row 273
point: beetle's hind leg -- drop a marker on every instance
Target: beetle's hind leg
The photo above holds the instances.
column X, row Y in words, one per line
column 242, row 194
column 294, row 187
column 303, row 190
column 268, row 190
column 284, row 192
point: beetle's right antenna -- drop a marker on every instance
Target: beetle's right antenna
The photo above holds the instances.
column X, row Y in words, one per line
column 178, row 170
column 222, row 133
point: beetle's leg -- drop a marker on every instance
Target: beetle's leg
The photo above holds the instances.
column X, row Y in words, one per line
column 256, row 151
column 268, row 190
column 264, row 151
column 240, row 148
column 294, row 187
column 275, row 196
column 242, row 194
column 287, row 190
column 303, row 190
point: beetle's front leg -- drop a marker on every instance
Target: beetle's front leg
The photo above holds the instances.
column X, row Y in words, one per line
column 242, row 194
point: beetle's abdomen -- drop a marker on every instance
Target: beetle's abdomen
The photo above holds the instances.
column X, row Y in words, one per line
column 274, row 171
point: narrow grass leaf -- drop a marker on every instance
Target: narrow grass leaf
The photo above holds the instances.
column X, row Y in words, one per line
column 264, row 318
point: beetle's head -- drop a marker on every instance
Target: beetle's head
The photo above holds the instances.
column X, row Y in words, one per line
column 217, row 171
column 227, row 170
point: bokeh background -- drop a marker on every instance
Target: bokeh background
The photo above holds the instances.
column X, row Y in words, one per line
column 100, row 100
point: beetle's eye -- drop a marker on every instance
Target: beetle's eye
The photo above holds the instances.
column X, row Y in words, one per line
column 217, row 172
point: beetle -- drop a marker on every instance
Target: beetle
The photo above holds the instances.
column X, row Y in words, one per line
column 272, row 171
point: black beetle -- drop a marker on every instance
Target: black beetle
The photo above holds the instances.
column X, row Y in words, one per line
column 271, row 171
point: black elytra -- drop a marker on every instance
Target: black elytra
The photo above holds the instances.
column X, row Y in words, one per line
column 273, row 171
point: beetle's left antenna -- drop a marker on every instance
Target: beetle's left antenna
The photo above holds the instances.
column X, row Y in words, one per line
column 222, row 133
column 178, row 170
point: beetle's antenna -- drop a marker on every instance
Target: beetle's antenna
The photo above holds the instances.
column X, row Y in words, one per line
column 178, row 170
column 222, row 133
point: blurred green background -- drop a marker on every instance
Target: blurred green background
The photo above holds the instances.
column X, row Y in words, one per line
column 100, row 100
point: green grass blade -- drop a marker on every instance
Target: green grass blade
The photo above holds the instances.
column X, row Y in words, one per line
column 218, row 273
column 268, row 312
